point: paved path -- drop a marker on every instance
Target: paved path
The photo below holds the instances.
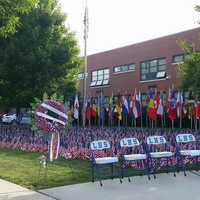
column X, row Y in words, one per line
column 165, row 187
column 10, row 191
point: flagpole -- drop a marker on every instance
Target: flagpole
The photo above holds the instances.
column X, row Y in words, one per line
column 181, row 116
column 195, row 117
column 85, row 59
column 162, row 119
column 140, row 98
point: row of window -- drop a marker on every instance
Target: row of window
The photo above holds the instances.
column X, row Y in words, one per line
column 100, row 77
column 124, row 68
column 149, row 70
column 153, row 69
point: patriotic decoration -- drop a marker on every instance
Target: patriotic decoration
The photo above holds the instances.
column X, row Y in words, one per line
column 54, row 146
column 50, row 117
column 75, row 144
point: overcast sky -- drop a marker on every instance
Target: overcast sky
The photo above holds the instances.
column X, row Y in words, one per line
column 117, row 23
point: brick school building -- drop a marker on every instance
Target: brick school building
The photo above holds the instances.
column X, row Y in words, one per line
column 145, row 65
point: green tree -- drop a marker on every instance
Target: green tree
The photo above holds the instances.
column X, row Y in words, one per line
column 189, row 71
column 38, row 57
column 9, row 14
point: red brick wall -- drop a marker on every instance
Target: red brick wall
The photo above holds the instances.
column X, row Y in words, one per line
column 126, row 82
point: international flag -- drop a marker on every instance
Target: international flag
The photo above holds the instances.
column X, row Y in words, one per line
column 179, row 103
column 171, row 105
column 88, row 112
column 118, row 109
column 152, row 110
column 93, row 110
column 76, row 108
column 160, row 110
column 156, row 100
column 131, row 105
column 140, row 101
column 135, row 110
column 111, row 106
column 125, row 108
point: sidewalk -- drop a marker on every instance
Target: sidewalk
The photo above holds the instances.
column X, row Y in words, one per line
column 12, row 191
column 165, row 187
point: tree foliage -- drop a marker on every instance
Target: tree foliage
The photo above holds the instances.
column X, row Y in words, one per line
column 10, row 11
column 189, row 71
column 38, row 57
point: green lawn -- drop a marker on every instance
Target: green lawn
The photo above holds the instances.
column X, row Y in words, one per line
column 23, row 169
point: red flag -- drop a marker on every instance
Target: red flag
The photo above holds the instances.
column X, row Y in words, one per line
column 171, row 108
column 152, row 113
column 171, row 113
column 88, row 112
column 156, row 101
column 93, row 110
column 198, row 110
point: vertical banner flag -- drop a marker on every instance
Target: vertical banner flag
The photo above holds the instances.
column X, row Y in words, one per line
column 76, row 108
column 135, row 109
column 125, row 108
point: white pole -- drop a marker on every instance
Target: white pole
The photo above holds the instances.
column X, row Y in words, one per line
column 85, row 56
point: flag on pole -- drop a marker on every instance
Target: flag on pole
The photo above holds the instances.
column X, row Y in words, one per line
column 93, row 110
column 118, row 109
column 171, row 105
column 125, row 108
column 156, row 100
column 152, row 110
column 54, row 146
column 160, row 110
column 135, row 110
column 179, row 103
column 76, row 108
column 111, row 106
column 140, row 101
column 131, row 105
column 88, row 112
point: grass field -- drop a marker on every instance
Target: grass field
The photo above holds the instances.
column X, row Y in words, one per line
column 23, row 168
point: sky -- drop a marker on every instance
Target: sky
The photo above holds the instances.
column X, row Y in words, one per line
column 118, row 23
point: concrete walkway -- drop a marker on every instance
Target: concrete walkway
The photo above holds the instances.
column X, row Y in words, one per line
column 10, row 191
column 165, row 187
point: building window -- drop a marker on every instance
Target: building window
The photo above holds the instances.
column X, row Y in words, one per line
column 153, row 69
column 100, row 77
column 124, row 68
column 178, row 59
